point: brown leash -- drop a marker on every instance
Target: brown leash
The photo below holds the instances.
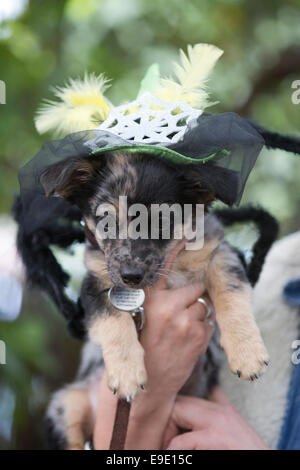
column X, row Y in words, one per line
column 122, row 415
column 120, row 426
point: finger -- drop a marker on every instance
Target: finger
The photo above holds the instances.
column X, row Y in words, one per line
column 185, row 296
column 186, row 441
column 203, row 329
column 218, row 396
column 162, row 283
column 192, row 413
column 197, row 310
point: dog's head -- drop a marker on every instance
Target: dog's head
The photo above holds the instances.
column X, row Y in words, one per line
column 95, row 185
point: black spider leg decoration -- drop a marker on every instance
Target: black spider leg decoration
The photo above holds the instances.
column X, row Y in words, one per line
column 267, row 227
column 42, row 268
column 274, row 140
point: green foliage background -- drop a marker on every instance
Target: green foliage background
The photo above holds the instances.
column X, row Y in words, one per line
column 49, row 41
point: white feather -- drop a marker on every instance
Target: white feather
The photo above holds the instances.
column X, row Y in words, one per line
column 81, row 106
column 192, row 75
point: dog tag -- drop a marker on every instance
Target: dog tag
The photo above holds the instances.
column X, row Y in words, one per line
column 129, row 300
column 126, row 299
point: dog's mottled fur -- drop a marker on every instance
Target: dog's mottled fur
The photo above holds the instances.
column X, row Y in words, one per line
column 88, row 182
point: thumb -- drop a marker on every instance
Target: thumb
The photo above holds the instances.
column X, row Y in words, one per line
column 192, row 413
column 162, row 283
column 186, row 441
column 218, row 396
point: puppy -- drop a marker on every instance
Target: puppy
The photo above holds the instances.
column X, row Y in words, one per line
column 137, row 263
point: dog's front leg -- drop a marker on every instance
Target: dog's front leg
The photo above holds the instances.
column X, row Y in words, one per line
column 232, row 297
column 122, row 352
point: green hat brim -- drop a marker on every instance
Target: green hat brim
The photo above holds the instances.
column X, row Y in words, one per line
column 162, row 152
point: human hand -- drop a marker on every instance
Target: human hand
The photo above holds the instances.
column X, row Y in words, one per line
column 211, row 425
column 175, row 335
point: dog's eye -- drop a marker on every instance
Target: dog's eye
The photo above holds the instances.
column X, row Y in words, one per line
column 101, row 217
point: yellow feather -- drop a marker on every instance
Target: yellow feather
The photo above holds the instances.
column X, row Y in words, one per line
column 192, row 75
column 81, row 106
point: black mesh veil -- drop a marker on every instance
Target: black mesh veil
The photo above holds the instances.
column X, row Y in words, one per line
column 226, row 140
column 228, row 131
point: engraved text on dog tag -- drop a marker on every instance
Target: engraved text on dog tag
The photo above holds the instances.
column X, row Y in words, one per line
column 126, row 299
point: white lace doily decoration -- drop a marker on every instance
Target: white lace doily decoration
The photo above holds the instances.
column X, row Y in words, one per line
column 150, row 120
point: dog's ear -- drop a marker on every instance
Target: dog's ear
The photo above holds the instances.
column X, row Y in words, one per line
column 209, row 182
column 71, row 178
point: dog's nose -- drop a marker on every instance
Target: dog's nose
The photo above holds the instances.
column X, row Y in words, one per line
column 132, row 275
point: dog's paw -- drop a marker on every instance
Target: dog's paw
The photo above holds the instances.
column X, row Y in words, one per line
column 247, row 359
column 126, row 375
